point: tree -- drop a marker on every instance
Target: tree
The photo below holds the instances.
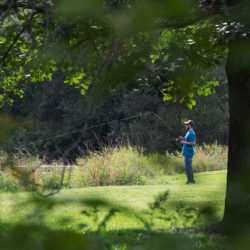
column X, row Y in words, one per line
column 100, row 46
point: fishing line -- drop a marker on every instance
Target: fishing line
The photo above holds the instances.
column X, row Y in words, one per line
column 94, row 126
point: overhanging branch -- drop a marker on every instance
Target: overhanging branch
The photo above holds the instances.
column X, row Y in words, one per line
column 40, row 6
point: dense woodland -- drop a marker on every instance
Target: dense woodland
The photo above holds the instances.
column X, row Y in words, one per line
column 55, row 108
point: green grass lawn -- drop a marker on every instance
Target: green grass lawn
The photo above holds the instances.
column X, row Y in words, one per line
column 81, row 209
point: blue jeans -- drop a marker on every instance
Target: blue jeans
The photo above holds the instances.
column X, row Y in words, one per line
column 188, row 168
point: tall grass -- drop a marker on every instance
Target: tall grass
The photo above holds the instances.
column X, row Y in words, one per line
column 207, row 158
column 111, row 166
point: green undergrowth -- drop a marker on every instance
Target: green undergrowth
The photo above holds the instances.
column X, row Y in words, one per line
column 111, row 166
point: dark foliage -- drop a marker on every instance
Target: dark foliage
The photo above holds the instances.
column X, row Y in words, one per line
column 55, row 108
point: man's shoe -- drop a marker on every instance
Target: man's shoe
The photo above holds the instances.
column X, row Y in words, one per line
column 188, row 182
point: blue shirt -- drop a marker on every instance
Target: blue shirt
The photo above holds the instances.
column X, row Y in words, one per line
column 188, row 150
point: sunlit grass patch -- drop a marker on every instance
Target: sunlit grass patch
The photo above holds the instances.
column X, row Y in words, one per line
column 123, row 216
column 68, row 204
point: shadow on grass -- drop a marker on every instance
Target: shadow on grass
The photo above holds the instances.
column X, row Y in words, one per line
column 37, row 237
column 161, row 239
column 34, row 234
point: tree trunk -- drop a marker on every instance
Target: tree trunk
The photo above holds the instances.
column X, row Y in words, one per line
column 237, row 205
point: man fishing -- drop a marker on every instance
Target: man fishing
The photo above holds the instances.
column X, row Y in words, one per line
column 188, row 143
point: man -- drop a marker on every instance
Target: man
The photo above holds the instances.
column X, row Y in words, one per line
column 188, row 150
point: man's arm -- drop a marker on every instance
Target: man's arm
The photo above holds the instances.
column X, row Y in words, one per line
column 190, row 140
column 188, row 143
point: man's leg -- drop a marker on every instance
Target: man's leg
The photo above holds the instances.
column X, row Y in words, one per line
column 189, row 169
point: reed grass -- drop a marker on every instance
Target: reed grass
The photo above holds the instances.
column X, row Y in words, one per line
column 111, row 166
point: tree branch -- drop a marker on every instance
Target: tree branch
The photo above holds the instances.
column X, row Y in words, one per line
column 8, row 5
column 11, row 46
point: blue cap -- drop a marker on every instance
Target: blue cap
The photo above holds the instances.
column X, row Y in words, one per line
column 189, row 122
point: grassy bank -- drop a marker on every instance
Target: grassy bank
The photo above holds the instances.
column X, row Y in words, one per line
column 123, row 213
column 209, row 189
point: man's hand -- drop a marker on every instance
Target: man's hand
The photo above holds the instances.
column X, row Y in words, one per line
column 179, row 139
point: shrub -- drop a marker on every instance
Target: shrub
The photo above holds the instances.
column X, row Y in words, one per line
column 112, row 166
column 7, row 184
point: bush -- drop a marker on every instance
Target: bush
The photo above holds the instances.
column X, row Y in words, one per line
column 7, row 184
column 49, row 177
column 28, row 173
column 112, row 166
